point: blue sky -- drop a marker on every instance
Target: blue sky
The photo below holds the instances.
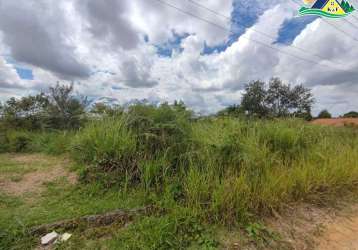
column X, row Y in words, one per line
column 25, row 74
column 242, row 17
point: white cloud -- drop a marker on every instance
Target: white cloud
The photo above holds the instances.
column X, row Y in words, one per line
column 101, row 47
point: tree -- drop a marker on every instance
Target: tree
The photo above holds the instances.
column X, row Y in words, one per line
column 27, row 112
column 324, row 114
column 253, row 101
column 301, row 102
column 278, row 100
column 352, row 114
column 65, row 111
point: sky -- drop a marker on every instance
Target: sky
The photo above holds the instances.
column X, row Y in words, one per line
column 202, row 52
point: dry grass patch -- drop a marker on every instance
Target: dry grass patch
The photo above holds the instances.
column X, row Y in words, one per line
column 26, row 173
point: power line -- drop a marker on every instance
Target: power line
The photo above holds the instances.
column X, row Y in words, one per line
column 347, row 21
column 250, row 39
column 260, row 32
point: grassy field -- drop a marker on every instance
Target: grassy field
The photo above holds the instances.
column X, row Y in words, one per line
column 213, row 177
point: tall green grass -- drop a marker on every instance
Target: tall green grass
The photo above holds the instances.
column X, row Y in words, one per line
column 253, row 167
column 225, row 170
column 22, row 141
column 141, row 146
column 205, row 172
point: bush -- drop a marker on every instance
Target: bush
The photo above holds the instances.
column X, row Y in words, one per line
column 161, row 130
column 53, row 143
column 109, row 147
column 4, row 143
column 134, row 146
column 19, row 142
column 324, row 114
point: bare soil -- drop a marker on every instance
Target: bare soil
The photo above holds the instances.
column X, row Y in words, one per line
column 337, row 122
column 341, row 234
column 308, row 227
column 33, row 182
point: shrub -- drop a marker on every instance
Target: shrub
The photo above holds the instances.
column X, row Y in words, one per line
column 53, row 143
column 19, row 142
column 108, row 146
column 137, row 145
column 4, row 143
column 161, row 130
column 324, row 114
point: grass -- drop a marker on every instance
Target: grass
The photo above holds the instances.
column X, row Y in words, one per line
column 49, row 142
column 60, row 200
column 14, row 167
column 207, row 174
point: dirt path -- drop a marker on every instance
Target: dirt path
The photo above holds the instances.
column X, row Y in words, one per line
column 308, row 227
column 342, row 234
column 32, row 172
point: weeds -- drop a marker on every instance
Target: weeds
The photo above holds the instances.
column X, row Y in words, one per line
column 215, row 171
column 226, row 169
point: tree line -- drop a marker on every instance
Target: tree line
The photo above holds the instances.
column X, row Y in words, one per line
column 61, row 109
column 57, row 109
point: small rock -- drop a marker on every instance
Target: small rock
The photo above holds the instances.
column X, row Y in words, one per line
column 64, row 237
column 49, row 238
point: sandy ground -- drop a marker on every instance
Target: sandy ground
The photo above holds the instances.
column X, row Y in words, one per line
column 338, row 122
column 305, row 227
column 33, row 182
column 342, row 234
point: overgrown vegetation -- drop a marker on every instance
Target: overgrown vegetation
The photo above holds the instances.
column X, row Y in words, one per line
column 226, row 170
column 265, row 164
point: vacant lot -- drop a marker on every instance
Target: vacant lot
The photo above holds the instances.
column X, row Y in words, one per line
column 216, row 183
column 36, row 189
column 57, row 196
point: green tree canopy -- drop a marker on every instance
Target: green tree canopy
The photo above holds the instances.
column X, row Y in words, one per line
column 254, row 100
column 59, row 109
column 277, row 100
column 352, row 114
column 324, row 114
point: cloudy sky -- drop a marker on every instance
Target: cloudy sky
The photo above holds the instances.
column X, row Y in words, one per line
column 182, row 50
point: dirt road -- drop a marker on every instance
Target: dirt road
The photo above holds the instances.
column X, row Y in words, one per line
column 342, row 234
column 337, row 122
column 308, row 227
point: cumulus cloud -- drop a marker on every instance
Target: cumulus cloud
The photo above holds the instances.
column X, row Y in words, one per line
column 158, row 20
column 36, row 33
column 136, row 74
column 108, row 21
column 110, row 48
column 8, row 76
